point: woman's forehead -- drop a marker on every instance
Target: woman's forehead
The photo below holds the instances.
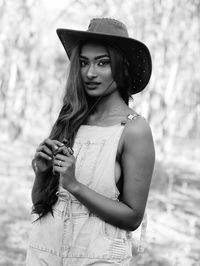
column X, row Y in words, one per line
column 93, row 48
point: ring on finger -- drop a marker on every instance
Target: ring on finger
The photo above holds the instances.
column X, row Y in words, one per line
column 60, row 163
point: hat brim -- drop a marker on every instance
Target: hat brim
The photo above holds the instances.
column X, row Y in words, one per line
column 136, row 52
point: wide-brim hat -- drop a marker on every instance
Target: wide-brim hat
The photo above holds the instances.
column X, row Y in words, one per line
column 115, row 33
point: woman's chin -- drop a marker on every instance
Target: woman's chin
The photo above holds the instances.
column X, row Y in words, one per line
column 93, row 93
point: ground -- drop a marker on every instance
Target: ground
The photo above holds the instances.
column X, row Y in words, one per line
column 173, row 228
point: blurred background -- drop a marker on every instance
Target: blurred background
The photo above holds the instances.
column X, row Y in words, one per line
column 33, row 71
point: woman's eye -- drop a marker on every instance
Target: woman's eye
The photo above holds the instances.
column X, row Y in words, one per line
column 83, row 63
column 104, row 62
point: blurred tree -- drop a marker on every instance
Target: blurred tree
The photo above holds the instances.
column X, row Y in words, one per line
column 28, row 80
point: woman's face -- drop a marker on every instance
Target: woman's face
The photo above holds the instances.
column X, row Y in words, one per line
column 96, row 70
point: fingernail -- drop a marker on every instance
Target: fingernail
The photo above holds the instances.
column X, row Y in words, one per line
column 55, row 147
column 50, row 158
column 70, row 150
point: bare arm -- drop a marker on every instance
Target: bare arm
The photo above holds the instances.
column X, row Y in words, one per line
column 138, row 162
column 137, row 166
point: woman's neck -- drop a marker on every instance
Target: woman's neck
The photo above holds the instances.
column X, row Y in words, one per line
column 110, row 108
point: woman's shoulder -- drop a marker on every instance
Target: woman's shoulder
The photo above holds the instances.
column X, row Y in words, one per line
column 137, row 125
column 137, row 142
column 137, row 130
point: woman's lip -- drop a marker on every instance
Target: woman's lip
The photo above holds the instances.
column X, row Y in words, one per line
column 92, row 84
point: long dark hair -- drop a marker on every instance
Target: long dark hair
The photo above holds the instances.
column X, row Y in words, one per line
column 74, row 109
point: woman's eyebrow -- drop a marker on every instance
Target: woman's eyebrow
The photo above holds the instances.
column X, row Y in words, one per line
column 96, row 57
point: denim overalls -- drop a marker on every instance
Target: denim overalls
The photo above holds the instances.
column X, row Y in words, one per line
column 75, row 236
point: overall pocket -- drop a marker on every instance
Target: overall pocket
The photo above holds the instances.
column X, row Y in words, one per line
column 119, row 242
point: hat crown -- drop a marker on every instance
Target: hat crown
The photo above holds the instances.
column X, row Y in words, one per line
column 108, row 26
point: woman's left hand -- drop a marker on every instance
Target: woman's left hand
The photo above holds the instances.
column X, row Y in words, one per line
column 64, row 164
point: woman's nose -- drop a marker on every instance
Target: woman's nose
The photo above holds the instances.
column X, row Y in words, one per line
column 91, row 73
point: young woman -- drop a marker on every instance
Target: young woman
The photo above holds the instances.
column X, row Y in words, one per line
column 90, row 193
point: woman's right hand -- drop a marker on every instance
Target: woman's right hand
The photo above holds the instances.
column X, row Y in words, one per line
column 42, row 161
